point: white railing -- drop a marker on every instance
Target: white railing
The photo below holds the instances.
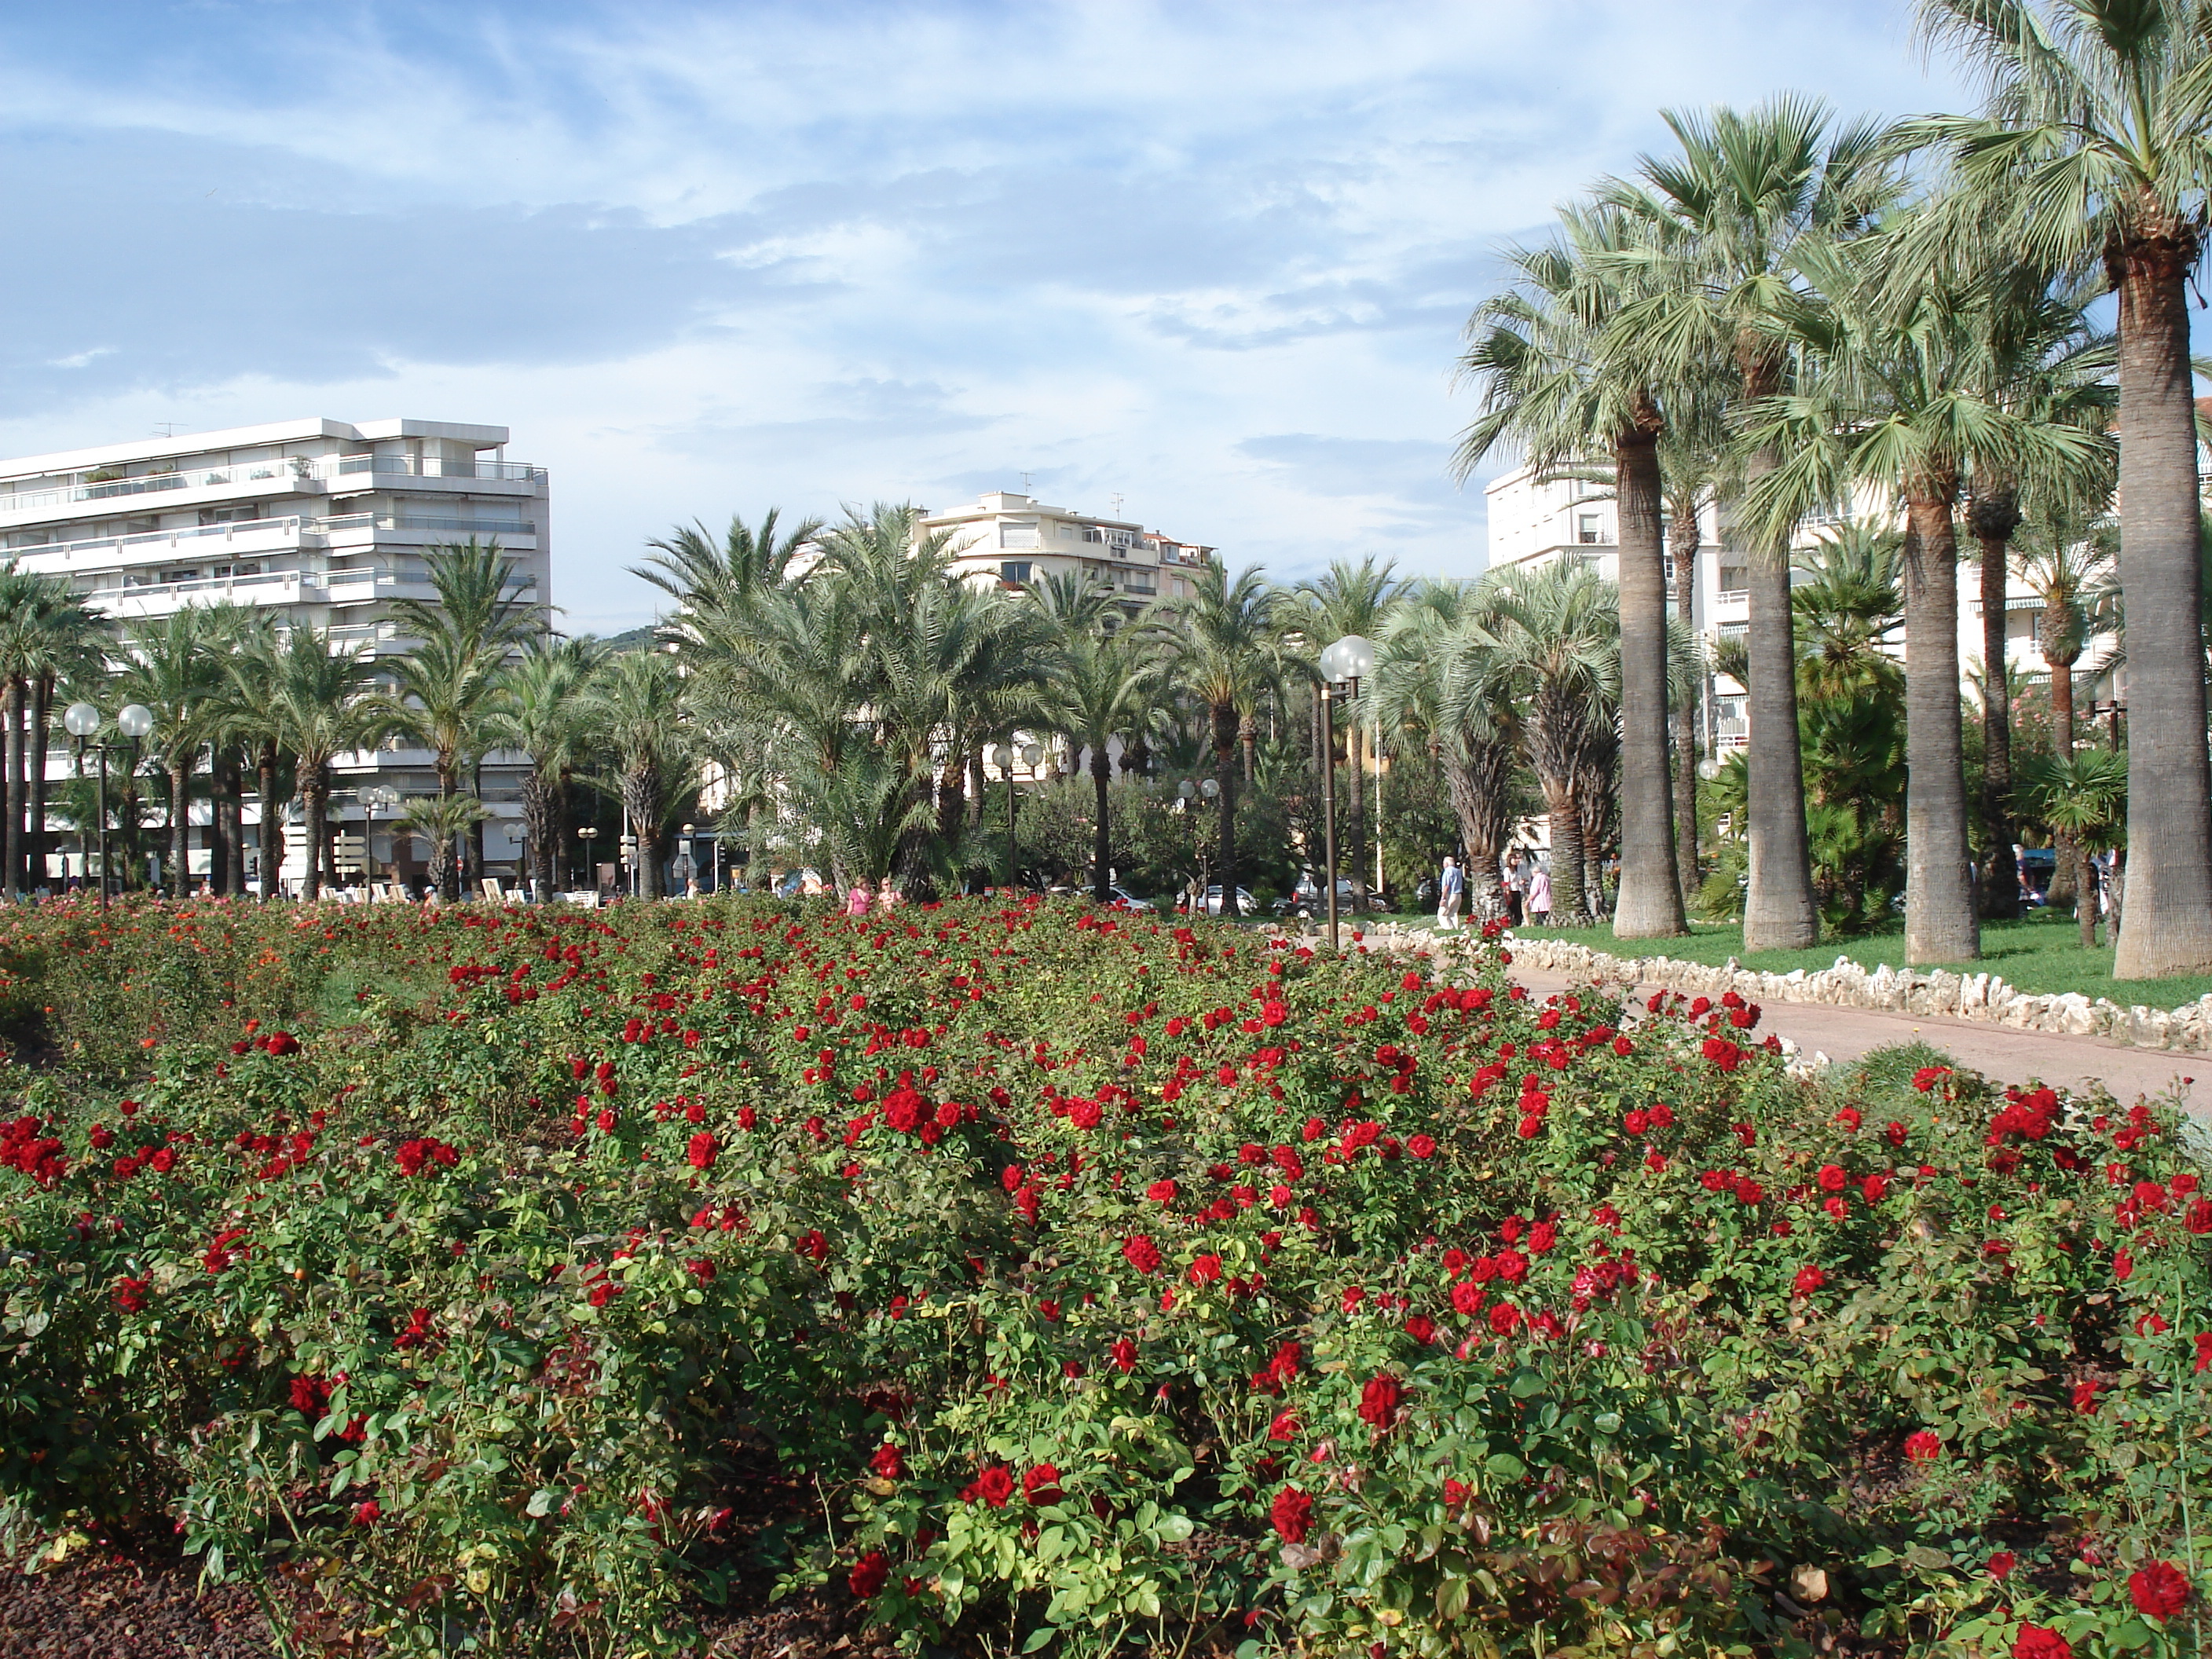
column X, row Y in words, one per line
column 285, row 529
column 427, row 521
column 295, row 469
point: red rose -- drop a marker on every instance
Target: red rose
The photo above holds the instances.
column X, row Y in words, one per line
column 1040, row 1485
column 994, row 1487
column 2035, row 1642
column 1922, row 1447
column 366, row 1514
column 1832, row 1178
column 1140, row 1253
column 2002, row 1564
column 702, row 1150
column 1284, row 1427
column 888, row 1462
column 1378, row 1401
column 2160, row 1590
column 1809, row 1280
column 1161, row 1192
column 869, row 1575
column 1292, row 1512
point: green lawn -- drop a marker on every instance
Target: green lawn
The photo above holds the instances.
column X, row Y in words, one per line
column 2040, row 956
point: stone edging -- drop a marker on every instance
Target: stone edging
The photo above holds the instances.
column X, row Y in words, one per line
column 1983, row 998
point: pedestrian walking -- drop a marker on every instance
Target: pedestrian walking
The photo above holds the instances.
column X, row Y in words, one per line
column 1451, row 888
column 1509, row 879
column 1540, row 896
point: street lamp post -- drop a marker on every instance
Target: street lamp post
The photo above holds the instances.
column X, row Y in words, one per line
column 1187, row 792
column 1005, row 755
column 1343, row 665
column 370, row 797
column 588, row 835
column 82, row 722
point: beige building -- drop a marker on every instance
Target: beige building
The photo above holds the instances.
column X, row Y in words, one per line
column 1013, row 539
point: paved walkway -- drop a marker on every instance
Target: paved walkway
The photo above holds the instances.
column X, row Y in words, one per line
column 1843, row 1034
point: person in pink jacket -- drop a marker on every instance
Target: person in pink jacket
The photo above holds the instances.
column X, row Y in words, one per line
column 856, row 900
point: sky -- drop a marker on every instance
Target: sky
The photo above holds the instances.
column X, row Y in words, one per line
column 1211, row 260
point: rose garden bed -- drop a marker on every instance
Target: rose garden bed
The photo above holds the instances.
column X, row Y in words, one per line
column 1040, row 1279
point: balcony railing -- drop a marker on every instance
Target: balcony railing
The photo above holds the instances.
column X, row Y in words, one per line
column 295, row 469
column 429, row 521
column 286, row 529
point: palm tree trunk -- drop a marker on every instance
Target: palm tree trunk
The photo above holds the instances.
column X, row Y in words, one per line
column 977, row 786
column 2085, row 912
column 541, row 818
column 42, row 705
column 2065, row 889
column 1649, row 903
column 18, row 686
column 1565, row 817
column 2167, row 926
column 1940, row 925
column 1779, row 913
column 181, row 825
column 314, row 792
column 1683, row 538
column 272, row 821
column 1101, row 771
column 476, row 830
column 1225, row 773
column 230, row 806
column 1995, row 516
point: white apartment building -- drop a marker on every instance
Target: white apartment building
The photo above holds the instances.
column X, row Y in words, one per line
column 1013, row 539
column 320, row 521
column 1534, row 521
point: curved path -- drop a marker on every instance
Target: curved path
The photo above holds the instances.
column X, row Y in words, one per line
column 2010, row 1056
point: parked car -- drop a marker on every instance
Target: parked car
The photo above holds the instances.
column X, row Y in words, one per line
column 1246, row 904
column 1307, row 899
column 1129, row 902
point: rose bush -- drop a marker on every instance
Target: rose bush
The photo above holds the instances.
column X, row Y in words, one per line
column 503, row 1275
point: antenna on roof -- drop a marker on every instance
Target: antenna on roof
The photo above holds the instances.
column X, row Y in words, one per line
column 165, row 428
column 1025, row 484
column 1117, row 503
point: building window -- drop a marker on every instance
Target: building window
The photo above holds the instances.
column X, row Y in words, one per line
column 1016, row 571
column 1092, row 533
column 1012, row 534
column 230, row 514
column 1586, row 531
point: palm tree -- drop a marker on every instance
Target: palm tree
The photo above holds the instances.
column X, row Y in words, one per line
column 636, row 708
column 174, row 666
column 716, row 586
column 441, row 821
column 318, row 706
column 1224, row 651
column 1900, row 388
column 1561, row 381
column 2066, row 557
column 1348, row 598
column 1747, row 189
column 2094, row 149
column 1692, row 452
column 536, row 709
column 46, row 633
column 2082, row 797
column 1435, row 684
column 477, row 620
column 1103, row 688
column 1557, row 635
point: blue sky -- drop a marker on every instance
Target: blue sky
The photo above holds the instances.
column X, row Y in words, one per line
column 1212, row 258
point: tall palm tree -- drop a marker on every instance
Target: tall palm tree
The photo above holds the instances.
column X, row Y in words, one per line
column 319, row 705
column 1561, row 381
column 1900, row 389
column 479, row 617
column 1557, row 646
column 1225, row 650
column 1693, row 469
column 1103, row 689
column 174, row 666
column 1435, row 684
column 2094, row 149
column 1347, row 598
column 537, row 708
column 47, row 633
column 229, row 630
column 1747, row 189
column 636, row 709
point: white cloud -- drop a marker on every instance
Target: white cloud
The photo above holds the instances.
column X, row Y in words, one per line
column 706, row 259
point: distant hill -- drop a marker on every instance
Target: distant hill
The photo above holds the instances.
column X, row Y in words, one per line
column 638, row 639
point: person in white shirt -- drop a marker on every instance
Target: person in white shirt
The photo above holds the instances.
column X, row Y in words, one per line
column 1451, row 887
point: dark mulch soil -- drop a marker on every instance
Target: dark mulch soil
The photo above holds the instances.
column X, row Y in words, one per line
column 115, row 1601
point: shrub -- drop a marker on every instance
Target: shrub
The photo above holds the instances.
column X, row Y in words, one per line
column 1112, row 1282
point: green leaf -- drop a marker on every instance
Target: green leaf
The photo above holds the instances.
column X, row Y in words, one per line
column 1039, row 1637
column 1504, row 1466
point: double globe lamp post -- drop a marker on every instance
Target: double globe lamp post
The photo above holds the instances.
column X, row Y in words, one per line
column 82, row 721
column 1343, row 665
